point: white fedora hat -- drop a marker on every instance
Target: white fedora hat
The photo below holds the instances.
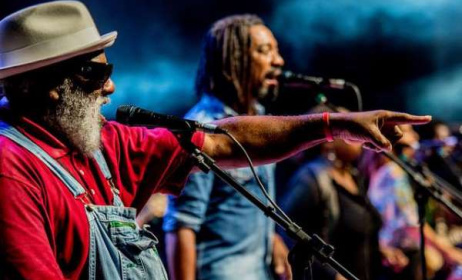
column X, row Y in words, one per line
column 48, row 33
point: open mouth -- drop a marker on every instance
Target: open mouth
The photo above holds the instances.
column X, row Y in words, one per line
column 271, row 81
column 271, row 78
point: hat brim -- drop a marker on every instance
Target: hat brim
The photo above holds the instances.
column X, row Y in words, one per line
column 106, row 41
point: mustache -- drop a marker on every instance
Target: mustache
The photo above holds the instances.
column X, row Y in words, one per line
column 273, row 73
column 103, row 100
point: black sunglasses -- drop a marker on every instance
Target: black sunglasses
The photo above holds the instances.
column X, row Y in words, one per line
column 93, row 75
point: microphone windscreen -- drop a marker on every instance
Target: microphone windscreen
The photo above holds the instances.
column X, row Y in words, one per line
column 285, row 76
column 123, row 113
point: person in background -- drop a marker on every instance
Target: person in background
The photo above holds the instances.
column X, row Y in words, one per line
column 71, row 182
column 327, row 196
column 152, row 218
column 213, row 232
column 391, row 192
column 438, row 153
column 438, row 146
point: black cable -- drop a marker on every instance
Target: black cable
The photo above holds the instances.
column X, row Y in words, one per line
column 357, row 92
column 260, row 184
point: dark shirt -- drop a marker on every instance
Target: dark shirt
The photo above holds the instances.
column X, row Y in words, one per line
column 445, row 168
column 345, row 220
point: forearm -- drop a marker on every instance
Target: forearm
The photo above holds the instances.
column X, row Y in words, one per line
column 439, row 243
column 181, row 254
column 266, row 138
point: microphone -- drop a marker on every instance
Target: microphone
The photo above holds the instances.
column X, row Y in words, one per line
column 296, row 80
column 438, row 143
column 288, row 77
column 132, row 115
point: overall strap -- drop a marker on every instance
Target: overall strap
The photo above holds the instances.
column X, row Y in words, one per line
column 99, row 157
column 16, row 136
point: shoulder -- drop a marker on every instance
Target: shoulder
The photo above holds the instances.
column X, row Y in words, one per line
column 18, row 164
column 388, row 179
column 12, row 154
column 389, row 171
column 311, row 170
column 208, row 109
column 117, row 134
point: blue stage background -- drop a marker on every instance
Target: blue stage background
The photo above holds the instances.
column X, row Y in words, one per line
column 403, row 54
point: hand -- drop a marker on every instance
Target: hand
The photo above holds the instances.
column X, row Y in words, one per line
column 454, row 256
column 394, row 258
column 154, row 209
column 280, row 259
column 158, row 204
column 434, row 259
column 376, row 130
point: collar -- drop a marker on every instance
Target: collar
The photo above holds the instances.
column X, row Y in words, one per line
column 42, row 137
column 38, row 134
column 217, row 106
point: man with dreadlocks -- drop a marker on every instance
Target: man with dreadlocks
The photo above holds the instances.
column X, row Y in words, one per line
column 215, row 232
column 71, row 182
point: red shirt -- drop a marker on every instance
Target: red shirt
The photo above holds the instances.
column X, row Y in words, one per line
column 44, row 232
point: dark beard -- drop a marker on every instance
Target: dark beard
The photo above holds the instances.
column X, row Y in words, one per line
column 77, row 117
column 267, row 96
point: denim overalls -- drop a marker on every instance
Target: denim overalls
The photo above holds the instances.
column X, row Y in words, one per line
column 119, row 248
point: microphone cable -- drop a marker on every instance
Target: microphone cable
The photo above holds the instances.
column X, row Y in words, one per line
column 257, row 178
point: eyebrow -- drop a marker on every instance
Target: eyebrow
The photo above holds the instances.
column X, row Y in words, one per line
column 264, row 44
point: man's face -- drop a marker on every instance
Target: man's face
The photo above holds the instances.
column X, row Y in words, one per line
column 265, row 61
column 108, row 86
column 77, row 112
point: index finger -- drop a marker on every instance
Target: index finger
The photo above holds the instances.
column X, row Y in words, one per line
column 396, row 118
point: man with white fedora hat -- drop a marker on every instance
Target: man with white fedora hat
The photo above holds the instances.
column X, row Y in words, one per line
column 70, row 181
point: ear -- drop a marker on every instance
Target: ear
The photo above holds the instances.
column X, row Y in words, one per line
column 54, row 95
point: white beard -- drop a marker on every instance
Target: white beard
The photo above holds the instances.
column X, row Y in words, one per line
column 77, row 116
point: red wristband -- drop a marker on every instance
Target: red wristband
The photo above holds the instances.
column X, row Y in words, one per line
column 327, row 129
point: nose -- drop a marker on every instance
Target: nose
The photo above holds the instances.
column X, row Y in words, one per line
column 278, row 61
column 109, row 87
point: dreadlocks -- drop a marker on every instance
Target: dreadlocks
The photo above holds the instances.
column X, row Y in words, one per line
column 224, row 67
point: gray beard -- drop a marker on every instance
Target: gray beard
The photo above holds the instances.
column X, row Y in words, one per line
column 77, row 117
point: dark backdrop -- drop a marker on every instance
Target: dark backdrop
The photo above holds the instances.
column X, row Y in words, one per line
column 403, row 54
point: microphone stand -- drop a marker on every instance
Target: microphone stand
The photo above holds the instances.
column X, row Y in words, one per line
column 306, row 248
column 440, row 182
column 422, row 192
